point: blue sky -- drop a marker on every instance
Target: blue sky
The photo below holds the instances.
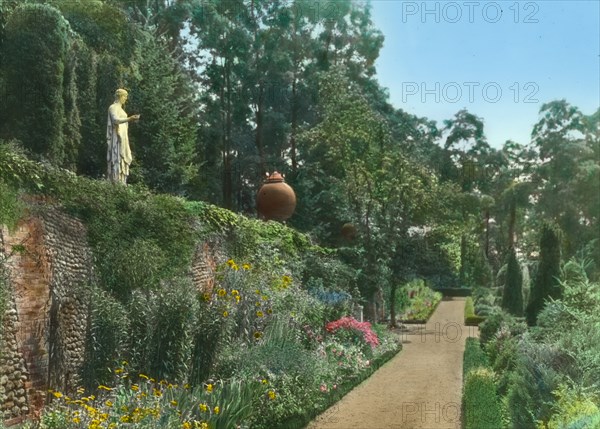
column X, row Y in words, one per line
column 499, row 60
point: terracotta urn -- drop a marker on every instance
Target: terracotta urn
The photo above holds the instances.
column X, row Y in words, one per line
column 276, row 199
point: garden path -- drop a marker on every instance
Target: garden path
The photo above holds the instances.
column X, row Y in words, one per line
column 420, row 388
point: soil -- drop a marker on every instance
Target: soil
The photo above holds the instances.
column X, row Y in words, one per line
column 420, row 388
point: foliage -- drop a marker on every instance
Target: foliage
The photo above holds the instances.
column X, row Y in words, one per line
column 572, row 406
column 349, row 324
column 481, row 403
column 539, row 370
column 471, row 319
column 139, row 401
column 546, row 282
column 512, row 296
column 11, row 207
column 106, row 337
column 35, row 60
column 496, row 321
column 474, row 356
column 163, row 141
column 422, row 300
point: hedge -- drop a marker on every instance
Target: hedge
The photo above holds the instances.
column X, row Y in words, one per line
column 482, row 407
column 471, row 319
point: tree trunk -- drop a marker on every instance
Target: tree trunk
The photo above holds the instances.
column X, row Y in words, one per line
column 393, row 289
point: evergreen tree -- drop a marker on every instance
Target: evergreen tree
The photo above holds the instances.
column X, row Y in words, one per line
column 163, row 141
column 34, row 59
column 546, row 283
column 512, row 298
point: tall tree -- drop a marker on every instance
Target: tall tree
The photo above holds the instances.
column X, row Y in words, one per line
column 164, row 140
column 547, row 284
column 567, row 172
column 34, row 57
column 512, row 296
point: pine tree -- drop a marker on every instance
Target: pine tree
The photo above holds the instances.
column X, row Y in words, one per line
column 546, row 283
column 512, row 298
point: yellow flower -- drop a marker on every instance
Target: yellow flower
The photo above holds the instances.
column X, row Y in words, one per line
column 246, row 266
column 186, row 386
column 144, row 376
column 206, row 296
column 135, row 388
column 235, row 292
column 286, row 279
column 265, row 298
column 57, row 395
column 125, row 419
column 157, row 392
column 217, row 410
column 76, row 420
column 222, row 292
column 119, row 370
column 225, row 313
column 124, row 363
column 80, row 390
column 260, row 313
column 203, row 407
column 174, row 403
column 264, row 381
column 187, row 425
column 103, row 387
column 272, row 395
column 235, row 267
column 230, row 262
column 237, row 298
column 209, row 388
column 257, row 335
column 109, row 404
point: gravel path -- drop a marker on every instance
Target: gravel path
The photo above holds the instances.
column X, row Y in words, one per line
column 420, row 388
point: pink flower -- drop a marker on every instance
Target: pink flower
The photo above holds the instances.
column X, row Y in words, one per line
column 351, row 323
column 334, row 386
column 323, row 388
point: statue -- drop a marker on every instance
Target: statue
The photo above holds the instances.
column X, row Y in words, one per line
column 118, row 156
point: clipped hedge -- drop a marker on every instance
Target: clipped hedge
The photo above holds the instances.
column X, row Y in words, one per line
column 471, row 319
column 482, row 407
column 474, row 356
column 454, row 291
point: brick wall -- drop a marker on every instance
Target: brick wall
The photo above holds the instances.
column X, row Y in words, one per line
column 42, row 344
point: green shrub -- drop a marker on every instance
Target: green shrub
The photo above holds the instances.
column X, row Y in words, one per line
column 572, row 406
column 108, row 324
column 539, row 370
column 482, row 408
column 471, row 319
column 495, row 321
column 422, row 300
column 11, row 207
column 474, row 356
